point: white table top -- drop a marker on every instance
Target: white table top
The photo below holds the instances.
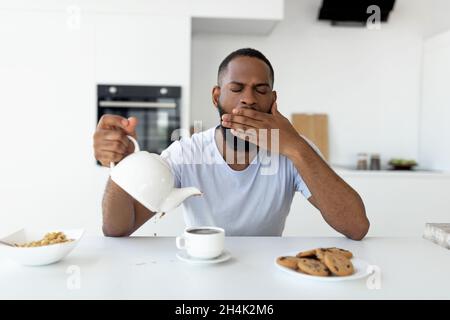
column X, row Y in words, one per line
column 147, row 268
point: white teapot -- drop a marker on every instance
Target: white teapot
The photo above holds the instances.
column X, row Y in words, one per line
column 148, row 178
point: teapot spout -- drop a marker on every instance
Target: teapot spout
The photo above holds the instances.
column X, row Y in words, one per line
column 177, row 196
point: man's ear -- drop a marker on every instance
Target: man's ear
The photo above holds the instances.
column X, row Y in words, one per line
column 215, row 95
column 274, row 99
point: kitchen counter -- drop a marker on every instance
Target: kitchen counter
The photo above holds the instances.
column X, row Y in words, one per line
column 147, row 268
column 387, row 173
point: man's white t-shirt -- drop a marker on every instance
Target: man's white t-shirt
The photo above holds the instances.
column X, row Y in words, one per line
column 251, row 202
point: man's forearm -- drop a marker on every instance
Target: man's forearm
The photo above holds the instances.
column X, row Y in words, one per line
column 118, row 211
column 340, row 204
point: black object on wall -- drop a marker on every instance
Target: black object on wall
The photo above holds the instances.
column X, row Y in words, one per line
column 353, row 11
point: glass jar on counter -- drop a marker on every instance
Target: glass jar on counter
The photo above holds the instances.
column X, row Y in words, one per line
column 375, row 162
column 362, row 163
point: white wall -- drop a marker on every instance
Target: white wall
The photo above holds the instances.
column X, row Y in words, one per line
column 435, row 109
column 367, row 81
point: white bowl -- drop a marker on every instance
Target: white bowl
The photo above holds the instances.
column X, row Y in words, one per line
column 38, row 256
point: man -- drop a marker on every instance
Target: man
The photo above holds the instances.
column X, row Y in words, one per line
column 241, row 195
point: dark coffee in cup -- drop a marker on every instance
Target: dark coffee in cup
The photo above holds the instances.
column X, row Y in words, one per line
column 203, row 231
column 202, row 242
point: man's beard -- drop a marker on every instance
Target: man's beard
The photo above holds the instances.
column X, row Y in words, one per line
column 231, row 140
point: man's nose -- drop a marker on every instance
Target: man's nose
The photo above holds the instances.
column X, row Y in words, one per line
column 248, row 98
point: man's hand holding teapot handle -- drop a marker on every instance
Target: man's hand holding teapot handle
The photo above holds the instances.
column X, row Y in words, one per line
column 110, row 138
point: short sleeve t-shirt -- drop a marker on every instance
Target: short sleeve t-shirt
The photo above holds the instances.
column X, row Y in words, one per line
column 251, row 202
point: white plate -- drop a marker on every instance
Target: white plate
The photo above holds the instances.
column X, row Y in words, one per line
column 362, row 270
column 38, row 256
column 183, row 256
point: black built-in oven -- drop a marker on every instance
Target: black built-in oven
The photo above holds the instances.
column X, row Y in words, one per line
column 157, row 109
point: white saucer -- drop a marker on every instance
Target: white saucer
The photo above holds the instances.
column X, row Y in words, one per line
column 183, row 256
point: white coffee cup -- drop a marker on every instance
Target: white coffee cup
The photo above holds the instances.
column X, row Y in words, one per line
column 203, row 242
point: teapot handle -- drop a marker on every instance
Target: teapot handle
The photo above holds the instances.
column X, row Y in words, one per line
column 136, row 149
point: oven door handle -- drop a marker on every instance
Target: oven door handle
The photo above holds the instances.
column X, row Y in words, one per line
column 136, row 104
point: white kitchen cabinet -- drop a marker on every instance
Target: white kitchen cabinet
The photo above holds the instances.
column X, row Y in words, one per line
column 397, row 203
column 434, row 145
column 232, row 16
column 236, row 17
column 144, row 50
column 238, row 9
column 48, row 99
column 49, row 68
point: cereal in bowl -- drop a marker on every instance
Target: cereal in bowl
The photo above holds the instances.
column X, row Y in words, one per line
column 49, row 239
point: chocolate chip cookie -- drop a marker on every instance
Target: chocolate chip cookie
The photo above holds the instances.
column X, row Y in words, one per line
column 288, row 262
column 307, row 254
column 344, row 252
column 338, row 264
column 313, row 267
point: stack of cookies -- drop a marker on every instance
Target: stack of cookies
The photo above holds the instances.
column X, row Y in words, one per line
column 322, row 262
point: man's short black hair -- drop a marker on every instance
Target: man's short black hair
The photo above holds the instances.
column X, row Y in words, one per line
column 244, row 52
